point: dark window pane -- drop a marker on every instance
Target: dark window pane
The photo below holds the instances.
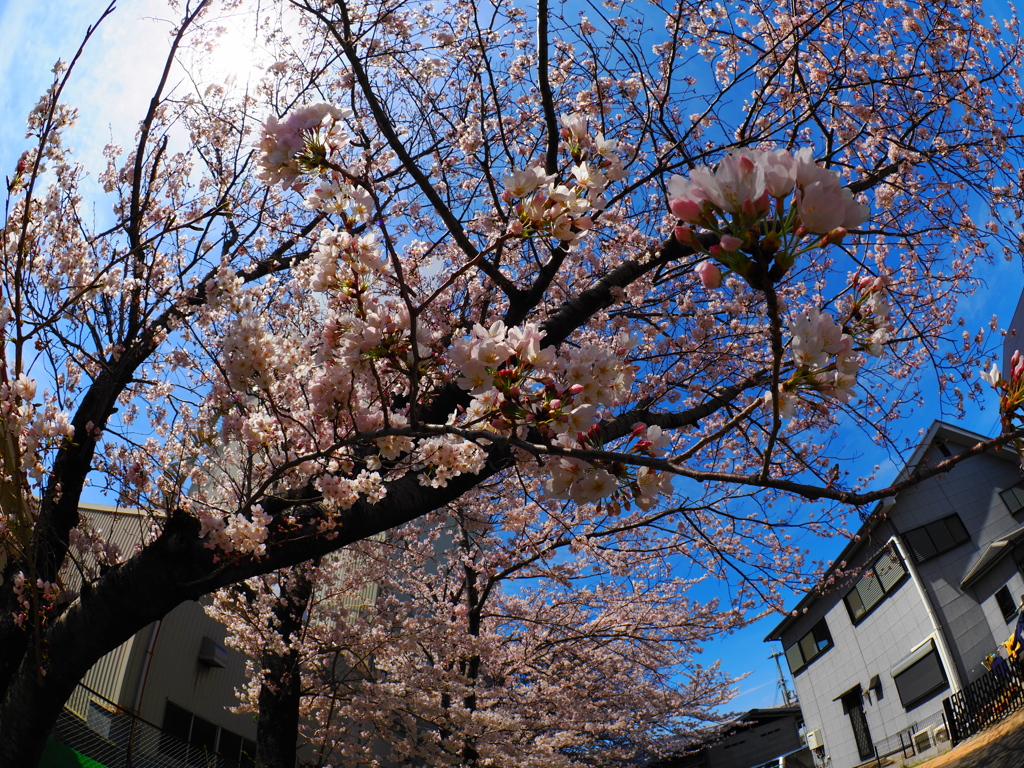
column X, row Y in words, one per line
column 177, row 721
column 941, row 536
column 856, row 607
column 204, row 734
column 230, row 744
column 801, row 653
column 1005, row 602
column 937, row 537
column 1014, row 498
column 920, row 681
column 248, row 759
column 822, row 639
column 956, row 529
column 920, row 544
column 808, row 646
column 870, row 590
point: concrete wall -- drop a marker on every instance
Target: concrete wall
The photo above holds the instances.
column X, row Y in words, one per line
column 176, row 674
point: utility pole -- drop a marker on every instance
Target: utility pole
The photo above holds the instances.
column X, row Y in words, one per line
column 782, row 679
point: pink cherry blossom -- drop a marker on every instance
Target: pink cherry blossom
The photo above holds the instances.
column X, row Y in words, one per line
column 710, row 275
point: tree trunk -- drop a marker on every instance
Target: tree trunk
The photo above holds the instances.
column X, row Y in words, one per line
column 281, row 691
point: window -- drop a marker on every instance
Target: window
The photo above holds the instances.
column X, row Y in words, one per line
column 1013, row 497
column 878, row 580
column 935, row 538
column 1006, row 606
column 809, row 647
column 919, row 676
column 180, row 725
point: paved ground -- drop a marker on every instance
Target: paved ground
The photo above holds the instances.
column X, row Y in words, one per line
column 999, row 747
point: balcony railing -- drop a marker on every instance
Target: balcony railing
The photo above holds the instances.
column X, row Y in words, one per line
column 113, row 736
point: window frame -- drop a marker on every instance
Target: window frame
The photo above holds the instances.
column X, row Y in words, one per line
column 243, row 755
column 1016, row 491
column 932, row 654
column 821, row 643
column 927, row 528
column 1009, row 614
column 870, row 572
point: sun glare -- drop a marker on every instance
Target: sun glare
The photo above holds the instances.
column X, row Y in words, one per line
column 235, row 57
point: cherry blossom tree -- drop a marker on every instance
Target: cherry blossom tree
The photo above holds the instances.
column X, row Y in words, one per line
column 471, row 637
column 610, row 262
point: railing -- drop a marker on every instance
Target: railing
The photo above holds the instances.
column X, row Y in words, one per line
column 903, row 743
column 985, row 702
column 119, row 739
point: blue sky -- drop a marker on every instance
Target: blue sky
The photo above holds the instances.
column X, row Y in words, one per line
column 112, row 88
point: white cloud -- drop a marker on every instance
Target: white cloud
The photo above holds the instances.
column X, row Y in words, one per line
column 114, row 79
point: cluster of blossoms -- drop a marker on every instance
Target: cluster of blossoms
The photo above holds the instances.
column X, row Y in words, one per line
column 826, row 354
column 520, row 388
column 335, row 195
column 762, row 206
column 95, row 544
column 572, row 478
column 1011, row 393
column 300, row 143
column 546, row 205
column 346, row 263
column 447, row 456
column 341, row 492
column 735, row 201
column 236, row 533
column 38, row 429
column 46, row 593
column 869, row 316
column 518, row 385
column 306, row 143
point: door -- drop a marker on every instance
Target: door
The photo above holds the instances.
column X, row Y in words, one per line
column 853, row 705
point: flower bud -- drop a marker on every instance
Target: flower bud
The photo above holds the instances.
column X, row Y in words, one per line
column 686, row 210
column 730, row 243
column 835, row 237
column 709, row 274
column 684, row 235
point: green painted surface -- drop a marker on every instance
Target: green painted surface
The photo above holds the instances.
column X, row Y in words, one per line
column 59, row 756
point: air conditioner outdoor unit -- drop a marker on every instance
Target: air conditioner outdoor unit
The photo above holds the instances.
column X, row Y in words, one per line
column 923, row 739
column 814, row 740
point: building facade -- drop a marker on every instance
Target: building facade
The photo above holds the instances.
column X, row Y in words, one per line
column 164, row 697
column 926, row 590
column 750, row 740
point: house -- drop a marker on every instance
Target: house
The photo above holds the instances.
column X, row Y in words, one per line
column 750, row 739
column 164, row 697
column 911, row 608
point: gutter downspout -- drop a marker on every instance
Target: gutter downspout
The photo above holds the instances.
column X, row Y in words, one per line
column 140, row 686
column 940, row 637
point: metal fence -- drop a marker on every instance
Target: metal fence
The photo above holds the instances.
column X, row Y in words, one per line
column 915, row 738
column 985, row 702
column 119, row 739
